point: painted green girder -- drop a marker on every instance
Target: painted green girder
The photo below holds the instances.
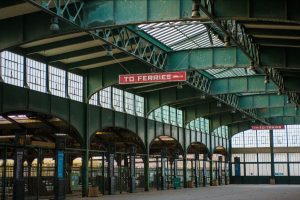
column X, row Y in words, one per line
column 280, row 11
column 278, row 112
column 263, row 101
column 276, row 57
column 119, row 12
column 285, row 120
column 245, row 84
column 19, row 30
column 207, row 58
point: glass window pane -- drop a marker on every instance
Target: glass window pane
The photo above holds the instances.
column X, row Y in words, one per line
column 36, row 75
column 57, row 81
column 75, row 86
column 12, row 68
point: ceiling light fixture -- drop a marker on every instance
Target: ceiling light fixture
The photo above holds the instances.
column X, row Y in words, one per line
column 196, row 9
column 179, row 86
column 54, row 26
column 226, row 41
column 267, row 79
column 109, row 51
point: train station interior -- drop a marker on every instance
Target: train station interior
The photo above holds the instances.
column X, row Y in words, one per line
column 149, row 99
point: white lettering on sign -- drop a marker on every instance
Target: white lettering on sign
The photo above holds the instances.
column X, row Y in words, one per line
column 154, row 77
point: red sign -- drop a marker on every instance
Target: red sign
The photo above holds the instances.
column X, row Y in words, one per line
column 267, row 127
column 152, row 78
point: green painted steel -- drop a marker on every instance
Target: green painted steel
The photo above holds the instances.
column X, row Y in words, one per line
column 119, row 12
column 264, row 101
column 19, row 30
column 285, row 120
column 278, row 112
column 284, row 11
column 245, row 84
column 207, row 58
column 280, row 57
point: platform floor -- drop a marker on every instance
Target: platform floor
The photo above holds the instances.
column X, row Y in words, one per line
column 229, row 192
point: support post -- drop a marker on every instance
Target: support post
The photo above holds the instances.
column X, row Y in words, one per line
column 59, row 187
column 19, row 183
column 196, row 170
column 39, row 171
column 204, row 170
column 184, row 171
column 3, row 196
column 132, row 169
column 110, row 170
column 146, row 172
column 163, row 181
column 220, row 169
column 272, row 157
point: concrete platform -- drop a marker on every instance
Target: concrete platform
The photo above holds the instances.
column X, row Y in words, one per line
column 230, row 192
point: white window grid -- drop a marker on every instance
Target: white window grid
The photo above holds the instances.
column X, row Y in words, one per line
column 166, row 114
column 158, row 114
column 173, row 120
column 263, row 138
column 179, row 118
column 57, row 81
column 12, row 68
column 129, row 103
column 238, row 140
column 280, row 138
column 105, row 98
column 36, row 75
column 139, row 106
column 118, row 100
column 94, row 99
column 75, row 87
column 293, row 135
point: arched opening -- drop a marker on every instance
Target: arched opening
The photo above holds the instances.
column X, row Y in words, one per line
column 197, row 165
column 165, row 163
column 116, row 161
column 220, row 166
column 33, row 147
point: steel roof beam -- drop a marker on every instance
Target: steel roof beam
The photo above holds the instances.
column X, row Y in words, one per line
column 120, row 12
column 243, row 84
column 207, row 58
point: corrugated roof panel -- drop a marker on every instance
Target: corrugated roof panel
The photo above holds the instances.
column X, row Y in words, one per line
column 181, row 35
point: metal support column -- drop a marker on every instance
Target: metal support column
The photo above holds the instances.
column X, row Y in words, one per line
column 176, row 179
column 220, row 166
column 110, row 170
column 146, row 171
column 163, row 181
column 19, row 184
column 196, row 170
column 132, row 185
column 59, row 187
column 39, row 171
column 272, row 156
column 3, row 196
column 204, row 170
column 85, row 172
column 184, row 171
column 227, row 164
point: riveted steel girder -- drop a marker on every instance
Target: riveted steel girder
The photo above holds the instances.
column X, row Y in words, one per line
column 119, row 12
column 278, row 112
column 245, row 84
column 285, row 120
column 264, row 101
column 207, row 58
